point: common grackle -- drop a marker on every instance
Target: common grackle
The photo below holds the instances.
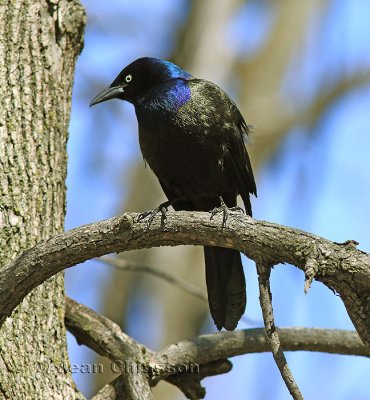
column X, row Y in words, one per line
column 192, row 136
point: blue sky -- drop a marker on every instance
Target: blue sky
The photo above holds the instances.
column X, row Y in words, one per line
column 319, row 183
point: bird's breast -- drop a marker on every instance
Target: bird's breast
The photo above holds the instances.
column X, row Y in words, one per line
column 188, row 161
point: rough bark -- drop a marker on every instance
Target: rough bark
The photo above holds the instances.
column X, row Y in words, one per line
column 340, row 266
column 39, row 42
column 186, row 363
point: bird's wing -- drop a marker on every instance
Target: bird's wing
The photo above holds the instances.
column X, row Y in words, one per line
column 228, row 122
column 239, row 157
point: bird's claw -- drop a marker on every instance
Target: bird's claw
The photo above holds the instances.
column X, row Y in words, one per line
column 225, row 210
column 237, row 208
column 152, row 213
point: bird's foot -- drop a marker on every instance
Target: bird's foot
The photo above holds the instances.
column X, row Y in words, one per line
column 225, row 210
column 162, row 208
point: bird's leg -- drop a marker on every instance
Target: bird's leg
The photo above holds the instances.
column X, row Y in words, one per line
column 225, row 210
column 162, row 208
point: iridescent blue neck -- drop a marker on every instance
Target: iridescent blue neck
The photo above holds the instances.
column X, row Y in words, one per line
column 166, row 100
column 174, row 71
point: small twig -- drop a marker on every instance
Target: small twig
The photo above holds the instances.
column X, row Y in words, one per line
column 311, row 269
column 263, row 269
column 133, row 266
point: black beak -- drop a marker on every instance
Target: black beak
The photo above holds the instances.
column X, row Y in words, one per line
column 107, row 94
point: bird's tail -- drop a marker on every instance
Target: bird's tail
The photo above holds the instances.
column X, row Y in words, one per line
column 226, row 286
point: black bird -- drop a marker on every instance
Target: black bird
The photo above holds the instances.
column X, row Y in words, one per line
column 192, row 136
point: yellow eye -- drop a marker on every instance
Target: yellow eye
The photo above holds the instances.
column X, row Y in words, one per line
column 128, row 78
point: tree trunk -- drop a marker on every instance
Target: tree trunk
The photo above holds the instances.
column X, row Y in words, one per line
column 39, row 43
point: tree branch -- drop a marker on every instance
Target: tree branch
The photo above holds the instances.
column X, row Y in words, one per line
column 206, row 354
column 272, row 335
column 340, row 266
column 137, row 364
column 106, row 338
column 182, row 284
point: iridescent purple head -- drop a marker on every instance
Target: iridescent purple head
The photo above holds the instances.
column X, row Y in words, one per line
column 138, row 78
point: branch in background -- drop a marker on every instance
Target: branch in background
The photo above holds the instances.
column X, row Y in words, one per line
column 310, row 115
column 208, row 353
column 272, row 335
column 263, row 74
column 181, row 284
column 204, row 26
column 340, row 267
column 335, row 92
column 220, row 345
column 136, row 267
column 322, row 103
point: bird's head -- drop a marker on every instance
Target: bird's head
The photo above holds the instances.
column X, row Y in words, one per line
column 138, row 78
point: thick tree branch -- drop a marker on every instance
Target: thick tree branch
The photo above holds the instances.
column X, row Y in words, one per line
column 206, row 354
column 187, row 382
column 340, row 266
column 106, row 338
column 80, row 321
column 225, row 344
column 137, row 364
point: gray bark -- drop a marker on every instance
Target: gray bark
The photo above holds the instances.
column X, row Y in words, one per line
column 204, row 355
column 340, row 266
column 39, row 42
